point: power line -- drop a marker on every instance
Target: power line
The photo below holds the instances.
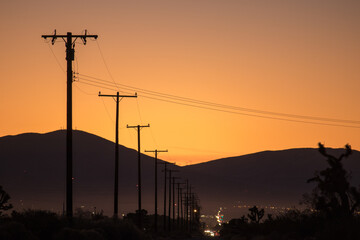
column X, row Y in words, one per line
column 226, row 108
column 106, row 66
column 174, row 97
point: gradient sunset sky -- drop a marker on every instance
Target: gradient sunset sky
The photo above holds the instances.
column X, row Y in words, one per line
column 297, row 57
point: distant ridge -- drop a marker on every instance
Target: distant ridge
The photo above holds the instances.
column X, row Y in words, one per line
column 33, row 172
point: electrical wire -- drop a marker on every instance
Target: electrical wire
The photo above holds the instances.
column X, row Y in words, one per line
column 57, row 60
column 178, row 98
column 106, row 66
column 223, row 108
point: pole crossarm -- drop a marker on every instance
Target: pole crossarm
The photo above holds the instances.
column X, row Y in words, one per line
column 55, row 36
column 120, row 96
column 156, row 151
column 138, row 126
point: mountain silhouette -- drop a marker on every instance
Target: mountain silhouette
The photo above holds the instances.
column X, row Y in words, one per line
column 33, row 173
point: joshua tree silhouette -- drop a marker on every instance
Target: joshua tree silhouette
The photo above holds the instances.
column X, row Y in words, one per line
column 333, row 196
column 255, row 214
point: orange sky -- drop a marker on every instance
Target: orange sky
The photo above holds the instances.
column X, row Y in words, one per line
column 295, row 57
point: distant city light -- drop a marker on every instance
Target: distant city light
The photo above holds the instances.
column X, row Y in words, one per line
column 209, row 233
column 220, row 217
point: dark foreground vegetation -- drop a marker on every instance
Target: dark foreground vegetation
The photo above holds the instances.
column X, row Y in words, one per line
column 39, row 225
column 332, row 210
column 46, row 225
column 293, row 225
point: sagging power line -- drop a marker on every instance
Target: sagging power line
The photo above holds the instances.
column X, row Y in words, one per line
column 85, row 79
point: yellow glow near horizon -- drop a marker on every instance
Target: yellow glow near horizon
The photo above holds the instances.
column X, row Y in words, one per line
column 298, row 57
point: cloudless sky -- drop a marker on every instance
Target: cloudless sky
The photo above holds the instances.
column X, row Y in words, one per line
column 295, row 57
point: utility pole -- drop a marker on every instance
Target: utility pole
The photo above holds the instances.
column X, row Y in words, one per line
column 165, row 171
column 190, row 207
column 183, row 199
column 179, row 205
column 69, row 40
column 187, row 205
column 138, row 128
column 173, row 204
column 116, row 184
column 169, row 219
column 156, row 162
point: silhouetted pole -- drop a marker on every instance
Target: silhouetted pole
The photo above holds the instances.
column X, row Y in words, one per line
column 165, row 171
column 190, row 208
column 139, row 127
column 187, row 204
column 116, row 184
column 181, row 210
column 70, row 55
column 179, row 204
column 173, row 203
column 169, row 219
column 156, row 213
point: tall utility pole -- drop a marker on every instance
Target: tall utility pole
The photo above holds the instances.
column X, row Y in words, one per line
column 190, row 207
column 173, row 204
column 179, row 204
column 165, row 171
column 138, row 128
column 116, row 184
column 187, row 205
column 183, row 195
column 156, row 162
column 170, row 178
column 69, row 40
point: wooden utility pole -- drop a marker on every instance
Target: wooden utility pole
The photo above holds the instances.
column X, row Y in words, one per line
column 173, row 203
column 156, row 162
column 69, row 40
column 189, row 200
column 138, row 128
column 179, row 205
column 116, row 184
column 165, row 171
column 169, row 219
column 187, row 205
